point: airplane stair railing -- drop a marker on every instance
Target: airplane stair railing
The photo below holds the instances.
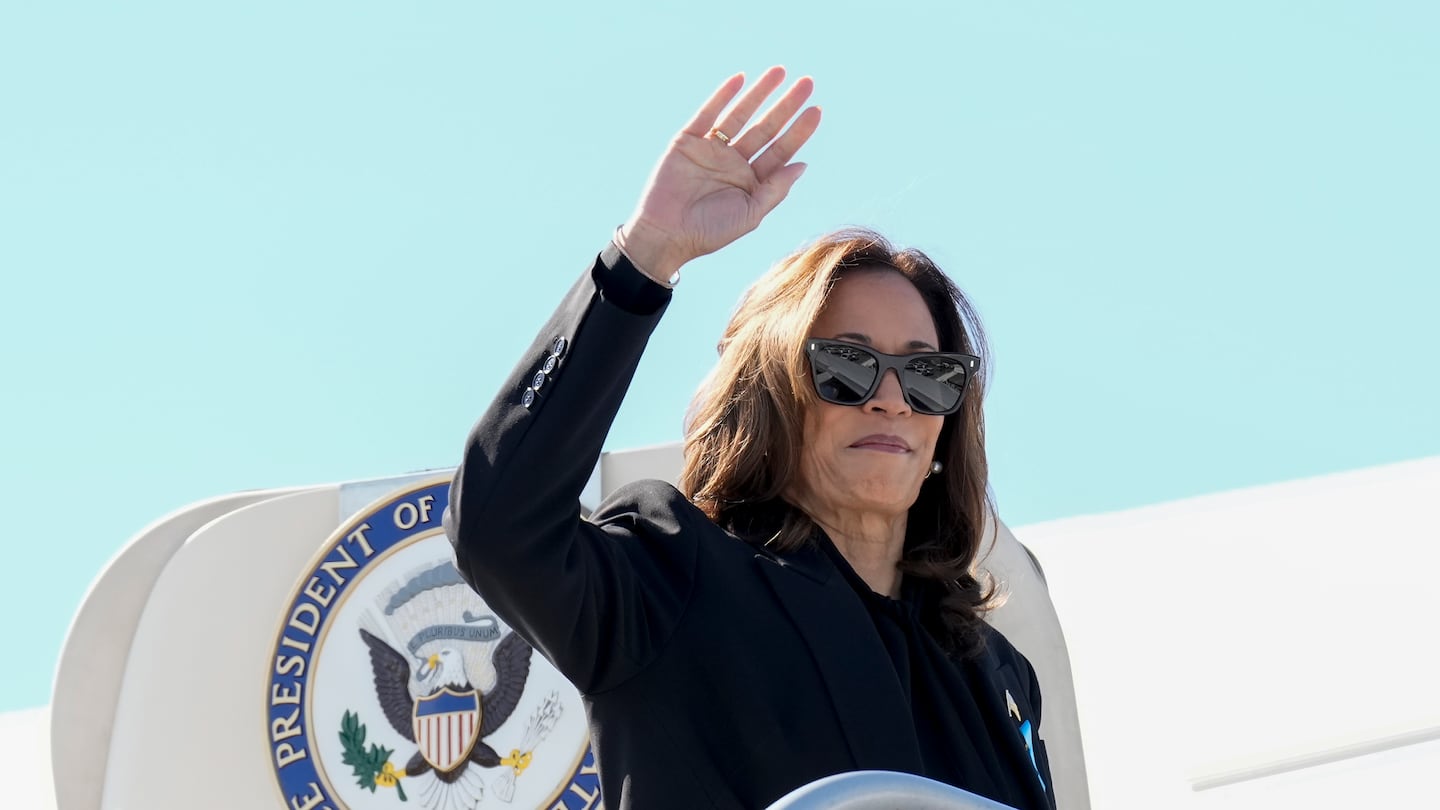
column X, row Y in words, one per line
column 882, row 790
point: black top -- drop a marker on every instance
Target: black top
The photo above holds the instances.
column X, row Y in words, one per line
column 716, row 673
column 940, row 690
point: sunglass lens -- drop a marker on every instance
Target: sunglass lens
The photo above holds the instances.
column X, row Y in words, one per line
column 843, row 374
column 934, row 384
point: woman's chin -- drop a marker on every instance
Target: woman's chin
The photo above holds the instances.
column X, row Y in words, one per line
column 882, row 497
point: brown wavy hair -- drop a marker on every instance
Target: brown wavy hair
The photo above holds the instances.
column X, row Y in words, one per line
column 743, row 433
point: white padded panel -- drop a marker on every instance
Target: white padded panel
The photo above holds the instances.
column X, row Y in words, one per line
column 189, row 726
column 663, row 462
column 97, row 646
column 1029, row 620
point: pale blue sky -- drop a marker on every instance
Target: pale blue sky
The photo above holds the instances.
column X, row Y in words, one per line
column 264, row 244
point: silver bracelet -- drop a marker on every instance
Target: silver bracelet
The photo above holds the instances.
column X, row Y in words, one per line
column 669, row 285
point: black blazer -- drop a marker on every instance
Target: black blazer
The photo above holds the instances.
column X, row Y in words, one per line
column 715, row 673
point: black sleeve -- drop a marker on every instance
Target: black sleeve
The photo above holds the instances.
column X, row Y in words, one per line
column 624, row 285
column 597, row 601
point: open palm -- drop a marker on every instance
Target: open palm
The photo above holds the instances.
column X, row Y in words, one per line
column 706, row 192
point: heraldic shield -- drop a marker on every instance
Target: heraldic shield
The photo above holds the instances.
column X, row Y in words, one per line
column 447, row 724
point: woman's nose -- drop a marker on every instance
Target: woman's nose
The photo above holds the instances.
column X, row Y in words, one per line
column 889, row 398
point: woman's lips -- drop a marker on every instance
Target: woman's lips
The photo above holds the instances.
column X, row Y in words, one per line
column 884, row 443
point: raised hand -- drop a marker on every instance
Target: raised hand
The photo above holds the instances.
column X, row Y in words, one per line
column 718, row 179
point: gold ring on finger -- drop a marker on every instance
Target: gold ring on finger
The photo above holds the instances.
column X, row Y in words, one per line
column 720, row 136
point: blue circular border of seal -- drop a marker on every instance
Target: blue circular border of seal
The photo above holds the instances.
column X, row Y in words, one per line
column 287, row 731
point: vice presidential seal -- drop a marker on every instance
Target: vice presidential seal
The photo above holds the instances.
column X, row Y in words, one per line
column 392, row 682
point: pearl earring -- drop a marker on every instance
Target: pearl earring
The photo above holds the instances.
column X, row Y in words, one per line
column 935, row 468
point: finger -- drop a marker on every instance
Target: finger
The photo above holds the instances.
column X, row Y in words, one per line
column 774, row 118
column 750, row 101
column 774, row 190
column 699, row 126
column 785, row 146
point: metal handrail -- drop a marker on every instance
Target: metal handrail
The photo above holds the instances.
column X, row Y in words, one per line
column 882, row 790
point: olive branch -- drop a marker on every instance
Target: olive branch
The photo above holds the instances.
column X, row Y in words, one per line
column 372, row 767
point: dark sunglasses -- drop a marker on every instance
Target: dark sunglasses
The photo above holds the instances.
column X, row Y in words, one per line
column 850, row 373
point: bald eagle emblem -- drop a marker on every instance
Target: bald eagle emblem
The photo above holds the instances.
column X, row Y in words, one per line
column 393, row 684
column 461, row 681
column 451, row 718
